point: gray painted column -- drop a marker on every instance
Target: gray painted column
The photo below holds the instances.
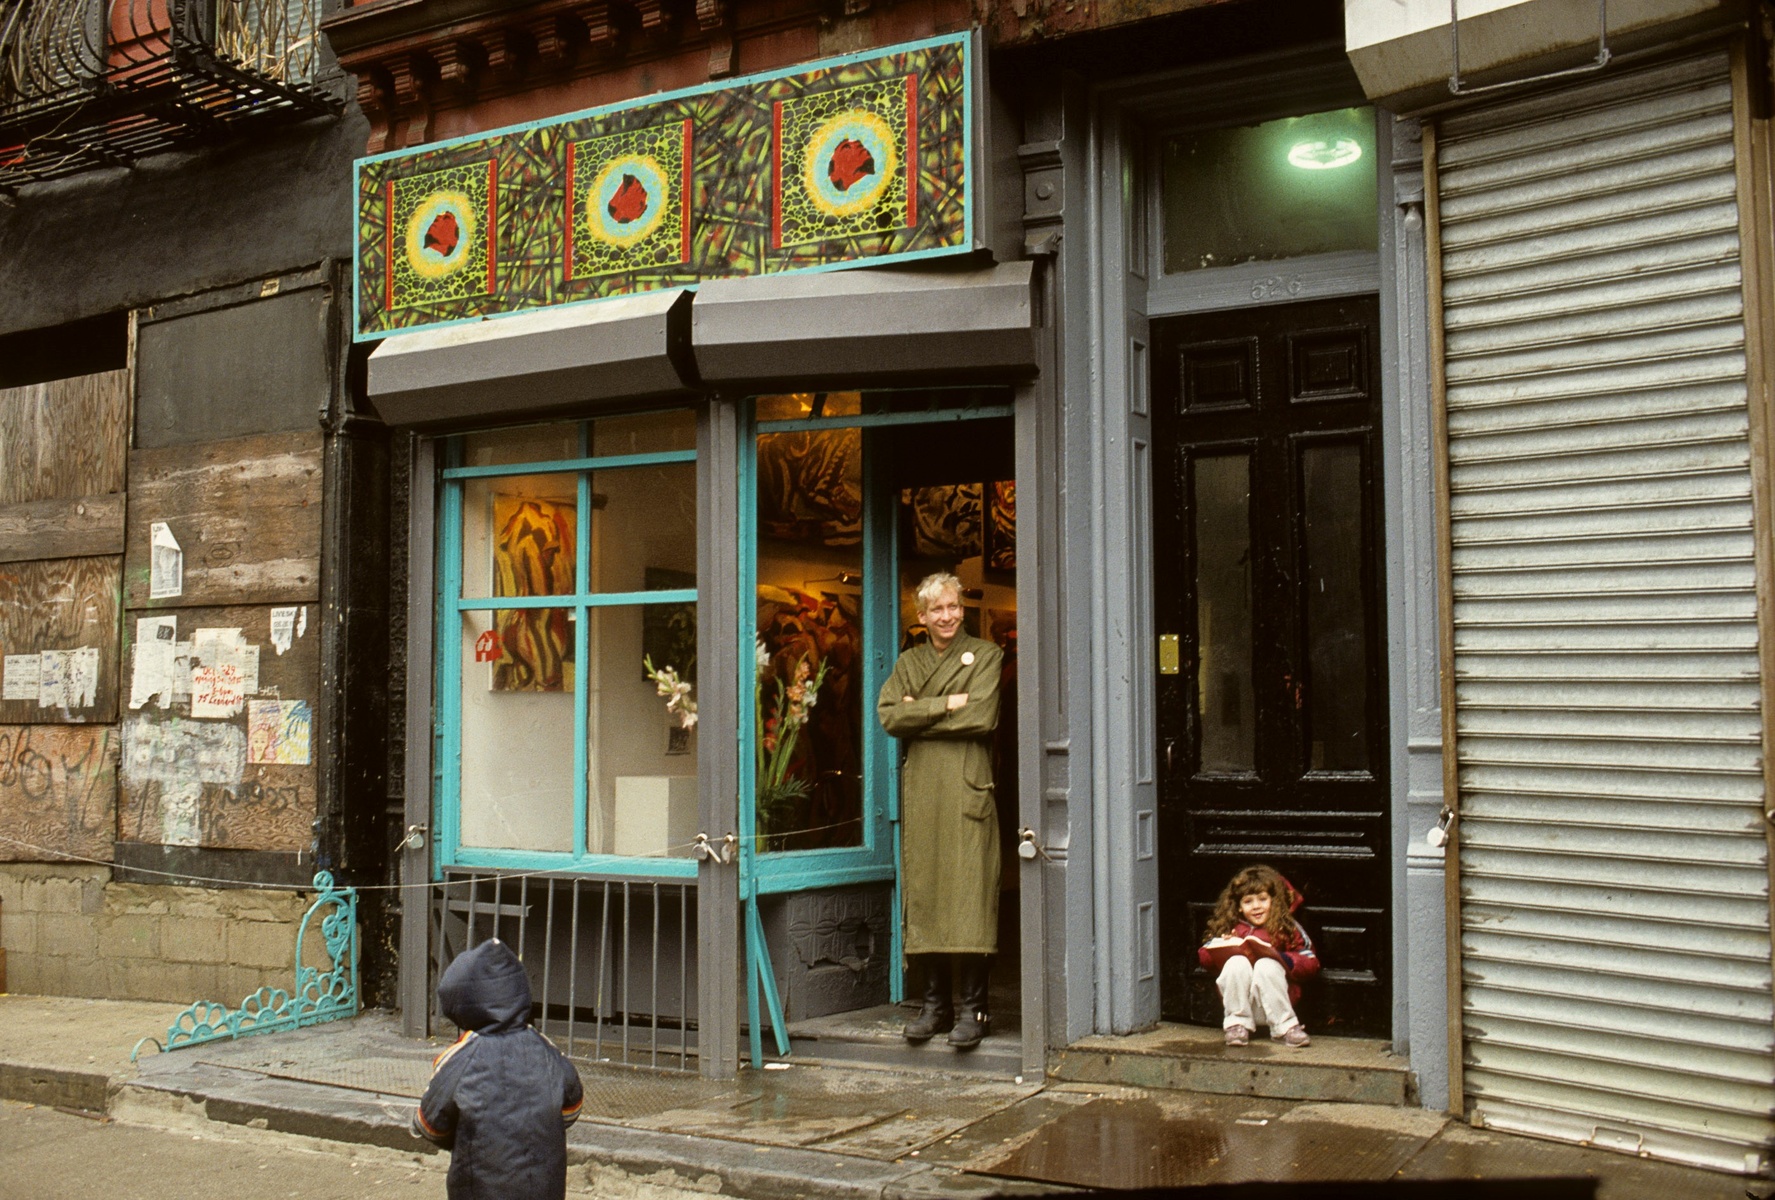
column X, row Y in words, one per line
column 1057, row 804
column 414, row 982
column 1420, row 993
column 719, row 667
column 1123, row 778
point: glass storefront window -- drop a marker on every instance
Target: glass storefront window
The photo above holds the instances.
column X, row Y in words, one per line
column 565, row 743
column 1280, row 189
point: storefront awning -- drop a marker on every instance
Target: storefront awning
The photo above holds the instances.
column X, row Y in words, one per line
column 872, row 326
column 627, row 348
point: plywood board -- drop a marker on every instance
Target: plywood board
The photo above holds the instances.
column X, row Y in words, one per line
column 246, row 515
column 58, row 792
column 64, row 439
column 60, row 605
column 76, row 528
column 193, row 780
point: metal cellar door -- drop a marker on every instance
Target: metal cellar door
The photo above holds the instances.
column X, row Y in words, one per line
column 1613, row 866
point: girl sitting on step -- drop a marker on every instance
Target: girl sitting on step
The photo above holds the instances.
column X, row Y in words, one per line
column 1261, row 954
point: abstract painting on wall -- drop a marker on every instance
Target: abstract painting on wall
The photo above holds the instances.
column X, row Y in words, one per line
column 846, row 161
column 533, row 555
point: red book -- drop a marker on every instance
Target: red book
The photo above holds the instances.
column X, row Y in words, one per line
column 1250, row 946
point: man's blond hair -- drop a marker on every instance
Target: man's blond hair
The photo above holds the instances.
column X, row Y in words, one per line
column 932, row 587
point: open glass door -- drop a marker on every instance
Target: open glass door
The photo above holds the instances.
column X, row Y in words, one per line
column 823, row 578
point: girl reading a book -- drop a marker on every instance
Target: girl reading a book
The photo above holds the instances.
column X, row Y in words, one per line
column 1261, row 954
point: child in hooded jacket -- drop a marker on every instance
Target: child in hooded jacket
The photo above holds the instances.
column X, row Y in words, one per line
column 1260, row 985
column 501, row 1098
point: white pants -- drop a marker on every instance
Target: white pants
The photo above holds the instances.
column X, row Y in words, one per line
column 1256, row 995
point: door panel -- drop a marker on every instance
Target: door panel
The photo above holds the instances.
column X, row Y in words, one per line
column 1272, row 731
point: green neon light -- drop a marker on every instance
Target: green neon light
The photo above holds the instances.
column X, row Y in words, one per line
column 1327, row 154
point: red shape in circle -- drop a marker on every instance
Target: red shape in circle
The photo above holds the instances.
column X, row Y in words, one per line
column 851, row 161
column 443, row 234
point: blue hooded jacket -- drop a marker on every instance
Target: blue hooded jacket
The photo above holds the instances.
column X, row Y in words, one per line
column 501, row 1098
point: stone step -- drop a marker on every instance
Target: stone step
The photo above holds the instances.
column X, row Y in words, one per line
column 1192, row 1058
column 872, row 1036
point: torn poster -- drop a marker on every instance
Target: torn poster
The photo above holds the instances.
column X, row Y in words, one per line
column 302, row 622
column 83, row 677
column 278, row 732
column 283, row 628
column 18, row 677
column 52, row 679
column 151, row 673
column 166, row 563
column 179, row 758
column 182, row 672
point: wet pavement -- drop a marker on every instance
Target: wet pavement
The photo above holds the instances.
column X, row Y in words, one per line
column 815, row 1128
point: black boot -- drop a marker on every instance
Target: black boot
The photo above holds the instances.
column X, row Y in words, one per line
column 974, row 1021
column 938, row 1014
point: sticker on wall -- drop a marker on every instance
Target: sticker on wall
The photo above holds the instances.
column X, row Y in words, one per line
column 628, row 201
column 278, row 731
column 845, row 162
column 166, row 563
column 441, row 235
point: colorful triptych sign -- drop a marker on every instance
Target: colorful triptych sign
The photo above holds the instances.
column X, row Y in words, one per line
column 838, row 163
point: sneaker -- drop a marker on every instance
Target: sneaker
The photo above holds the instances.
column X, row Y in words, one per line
column 1296, row 1037
column 1238, row 1035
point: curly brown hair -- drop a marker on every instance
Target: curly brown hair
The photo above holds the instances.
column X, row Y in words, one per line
column 1257, row 878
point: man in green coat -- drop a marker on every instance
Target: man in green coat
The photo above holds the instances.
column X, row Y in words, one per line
column 941, row 701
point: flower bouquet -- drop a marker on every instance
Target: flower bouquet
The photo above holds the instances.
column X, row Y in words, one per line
column 778, row 731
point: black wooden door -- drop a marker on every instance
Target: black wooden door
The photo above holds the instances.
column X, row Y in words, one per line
column 1272, row 687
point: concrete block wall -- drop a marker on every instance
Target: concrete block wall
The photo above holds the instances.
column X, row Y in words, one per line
column 74, row 931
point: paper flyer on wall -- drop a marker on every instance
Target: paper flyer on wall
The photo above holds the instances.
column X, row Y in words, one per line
column 151, row 670
column 19, row 675
column 52, row 679
column 283, row 629
column 225, row 669
column 166, row 563
column 278, row 732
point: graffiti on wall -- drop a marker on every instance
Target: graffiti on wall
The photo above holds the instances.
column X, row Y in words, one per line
column 847, row 161
column 58, row 791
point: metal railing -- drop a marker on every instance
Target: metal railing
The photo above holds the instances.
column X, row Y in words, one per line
column 611, row 960
column 103, row 82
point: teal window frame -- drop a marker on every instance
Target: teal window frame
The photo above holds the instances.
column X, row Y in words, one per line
column 451, row 604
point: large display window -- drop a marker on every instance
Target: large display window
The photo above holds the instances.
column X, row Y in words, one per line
column 568, row 681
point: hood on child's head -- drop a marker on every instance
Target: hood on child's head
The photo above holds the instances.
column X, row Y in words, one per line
column 485, row 989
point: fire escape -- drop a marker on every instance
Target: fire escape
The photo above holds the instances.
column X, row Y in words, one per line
column 96, row 83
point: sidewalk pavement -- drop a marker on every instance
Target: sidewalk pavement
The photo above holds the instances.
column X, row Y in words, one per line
column 814, row 1130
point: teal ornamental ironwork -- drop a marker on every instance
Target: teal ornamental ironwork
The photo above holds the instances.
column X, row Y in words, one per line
column 319, row 996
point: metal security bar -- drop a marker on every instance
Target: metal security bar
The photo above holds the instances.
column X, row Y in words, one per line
column 87, row 83
column 611, row 960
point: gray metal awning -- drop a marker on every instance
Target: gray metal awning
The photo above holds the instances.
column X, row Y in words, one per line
column 857, row 328
column 868, row 326
column 632, row 347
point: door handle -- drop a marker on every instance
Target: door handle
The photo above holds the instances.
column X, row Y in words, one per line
column 1170, row 756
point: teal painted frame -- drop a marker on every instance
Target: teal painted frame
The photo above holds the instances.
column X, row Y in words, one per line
column 970, row 42
column 451, row 604
column 879, row 857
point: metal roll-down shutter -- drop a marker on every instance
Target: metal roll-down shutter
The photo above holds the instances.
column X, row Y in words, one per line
column 1614, row 871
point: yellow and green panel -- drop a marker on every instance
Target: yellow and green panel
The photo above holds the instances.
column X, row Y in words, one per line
column 845, row 162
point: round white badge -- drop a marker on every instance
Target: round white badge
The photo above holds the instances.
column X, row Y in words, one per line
column 967, row 658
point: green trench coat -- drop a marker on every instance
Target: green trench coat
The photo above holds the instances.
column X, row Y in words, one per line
column 948, row 823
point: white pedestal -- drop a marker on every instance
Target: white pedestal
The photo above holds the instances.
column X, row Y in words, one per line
column 655, row 815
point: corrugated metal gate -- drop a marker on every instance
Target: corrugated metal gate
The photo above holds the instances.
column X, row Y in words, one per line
column 1614, row 872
